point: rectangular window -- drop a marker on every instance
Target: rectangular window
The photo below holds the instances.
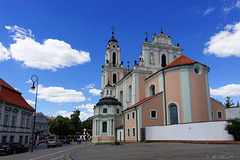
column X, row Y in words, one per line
column 128, row 116
column 5, row 119
column 212, row 115
column 104, row 127
column 128, row 132
column 11, row 138
column 27, row 125
column 133, row 115
column 20, row 139
column 26, row 140
column 153, row 114
column 4, row 139
column 13, row 120
column 22, row 122
column 219, row 113
column 133, row 132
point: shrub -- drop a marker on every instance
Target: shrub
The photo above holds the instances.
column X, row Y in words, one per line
column 233, row 128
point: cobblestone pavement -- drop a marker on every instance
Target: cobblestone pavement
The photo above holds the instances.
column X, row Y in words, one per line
column 162, row 151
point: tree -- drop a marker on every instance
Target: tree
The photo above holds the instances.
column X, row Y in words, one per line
column 75, row 122
column 87, row 124
column 237, row 103
column 229, row 102
column 59, row 126
column 233, row 127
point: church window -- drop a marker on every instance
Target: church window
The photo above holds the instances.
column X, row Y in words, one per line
column 117, row 111
column 130, row 93
column 128, row 116
column 219, row 115
column 114, row 58
column 163, row 60
column 133, row 115
column 152, row 90
column 133, row 132
column 104, row 127
column 128, row 132
column 153, row 114
column 121, row 96
column 173, row 114
column 104, row 110
column 197, row 69
column 114, row 78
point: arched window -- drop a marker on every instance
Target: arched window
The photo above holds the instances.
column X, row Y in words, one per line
column 114, row 58
column 163, row 60
column 121, row 96
column 104, row 110
column 173, row 114
column 114, row 78
column 152, row 90
column 117, row 111
column 130, row 93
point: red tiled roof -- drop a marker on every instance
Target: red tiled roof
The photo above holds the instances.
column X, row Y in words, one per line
column 142, row 101
column 11, row 95
column 182, row 60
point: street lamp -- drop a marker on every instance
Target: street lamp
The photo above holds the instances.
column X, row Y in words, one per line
column 34, row 79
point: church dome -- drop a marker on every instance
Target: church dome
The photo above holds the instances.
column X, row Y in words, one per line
column 108, row 101
column 113, row 40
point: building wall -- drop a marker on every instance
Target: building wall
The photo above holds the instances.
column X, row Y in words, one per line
column 130, row 124
column 217, row 107
column 155, row 82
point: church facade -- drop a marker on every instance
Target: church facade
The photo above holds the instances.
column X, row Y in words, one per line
column 163, row 88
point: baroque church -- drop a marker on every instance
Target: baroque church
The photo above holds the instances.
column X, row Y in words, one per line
column 163, row 88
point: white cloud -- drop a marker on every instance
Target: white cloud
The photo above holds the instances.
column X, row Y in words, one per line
column 64, row 113
column 209, row 10
column 225, row 43
column 89, row 99
column 230, row 6
column 95, row 92
column 4, row 53
column 30, row 102
column 90, row 86
column 86, row 110
column 237, row 5
column 231, row 90
column 52, row 54
column 59, row 94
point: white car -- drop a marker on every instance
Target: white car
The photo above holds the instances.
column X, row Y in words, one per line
column 54, row 143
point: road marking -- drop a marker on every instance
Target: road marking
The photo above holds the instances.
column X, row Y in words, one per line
column 53, row 153
column 57, row 158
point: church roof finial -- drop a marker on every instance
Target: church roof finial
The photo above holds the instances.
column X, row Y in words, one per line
column 146, row 33
column 161, row 29
column 113, row 27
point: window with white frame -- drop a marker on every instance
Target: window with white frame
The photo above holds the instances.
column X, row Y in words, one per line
column 153, row 114
column 6, row 117
column 133, row 132
column 117, row 111
column 133, row 115
column 128, row 132
column 121, row 96
column 219, row 115
column 128, row 116
column 104, row 110
column 152, row 90
column 130, row 93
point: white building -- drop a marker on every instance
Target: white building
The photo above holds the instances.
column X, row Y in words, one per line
column 15, row 115
column 232, row 112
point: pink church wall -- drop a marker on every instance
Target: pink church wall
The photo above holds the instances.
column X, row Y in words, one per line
column 118, row 123
column 141, row 87
column 199, row 97
column 130, row 124
column 154, row 104
column 173, row 90
column 217, row 107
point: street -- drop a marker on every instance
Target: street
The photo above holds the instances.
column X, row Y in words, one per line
column 41, row 152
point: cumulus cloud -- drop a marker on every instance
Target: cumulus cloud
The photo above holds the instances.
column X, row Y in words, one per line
column 64, row 113
column 231, row 90
column 30, row 102
column 209, row 10
column 59, row 94
column 95, row 92
column 4, row 53
column 228, row 6
column 52, row 54
column 86, row 110
column 225, row 43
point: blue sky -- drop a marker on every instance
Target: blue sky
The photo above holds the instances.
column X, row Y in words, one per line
column 63, row 42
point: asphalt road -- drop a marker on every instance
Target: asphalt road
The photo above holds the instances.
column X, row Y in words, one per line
column 41, row 152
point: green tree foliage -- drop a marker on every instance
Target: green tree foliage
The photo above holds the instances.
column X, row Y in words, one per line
column 233, row 127
column 60, row 126
column 75, row 122
column 237, row 103
column 229, row 102
column 87, row 124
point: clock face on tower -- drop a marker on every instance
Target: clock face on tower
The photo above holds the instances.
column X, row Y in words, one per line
column 163, row 40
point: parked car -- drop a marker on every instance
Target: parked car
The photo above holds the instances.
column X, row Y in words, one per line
column 66, row 141
column 54, row 143
column 12, row 148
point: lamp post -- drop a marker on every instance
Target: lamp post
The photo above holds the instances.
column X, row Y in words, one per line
column 34, row 79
